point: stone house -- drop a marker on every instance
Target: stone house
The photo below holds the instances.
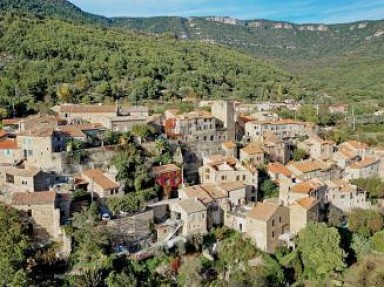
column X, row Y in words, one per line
column 168, row 176
column 367, row 167
column 204, row 132
column 81, row 132
column 275, row 148
column 301, row 212
column 179, row 217
column 345, row 196
column 344, row 157
column 292, row 190
column 113, row 117
column 358, row 148
column 10, row 153
column 221, row 170
column 283, row 129
column 25, row 180
column 252, row 154
column 312, row 168
column 229, row 148
column 265, row 223
column 278, row 172
column 100, row 184
column 38, row 147
column 218, row 198
column 318, row 148
column 43, row 210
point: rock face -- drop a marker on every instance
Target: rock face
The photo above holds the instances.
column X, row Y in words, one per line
column 225, row 20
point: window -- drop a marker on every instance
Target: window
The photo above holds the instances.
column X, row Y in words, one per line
column 223, row 177
column 238, row 178
column 29, row 212
column 273, row 234
column 9, row 178
column 24, row 182
column 273, row 222
column 280, row 219
column 243, row 177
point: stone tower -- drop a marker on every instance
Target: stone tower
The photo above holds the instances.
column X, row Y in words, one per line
column 225, row 111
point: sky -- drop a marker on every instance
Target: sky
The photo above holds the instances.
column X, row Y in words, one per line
column 297, row 11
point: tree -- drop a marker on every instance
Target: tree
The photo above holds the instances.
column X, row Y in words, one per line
column 141, row 131
column 65, row 93
column 319, row 249
column 299, row 154
column 14, row 244
column 361, row 246
column 121, row 279
column 269, row 189
column 365, row 222
column 90, row 257
column 378, row 241
column 190, row 273
column 373, row 185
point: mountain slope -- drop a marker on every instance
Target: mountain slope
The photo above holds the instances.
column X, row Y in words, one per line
column 346, row 60
column 101, row 64
column 61, row 9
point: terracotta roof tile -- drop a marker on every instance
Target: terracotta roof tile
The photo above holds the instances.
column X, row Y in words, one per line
column 70, row 108
column 364, row 163
column 263, row 211
column 231, row 186
column 191, row 205
column 21, row 172
column 165, row 168
column 278, row 168
column 355, row 144
column 307, row 186
column 229, row 144
column 3, row 133
column 307, row 203
column 98, row 177
column 34, row 198
column 253, row 148
column 310, row 165
column 39, row 132
column 8, row 144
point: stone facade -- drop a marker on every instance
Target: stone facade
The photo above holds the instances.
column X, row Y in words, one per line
column 318, row 148
column 221, row 170
column 301, row 212
column 367, row 167
column 283, row 129
column 265, row 223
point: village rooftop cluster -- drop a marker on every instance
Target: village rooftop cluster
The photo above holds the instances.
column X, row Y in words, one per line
column 221, row 152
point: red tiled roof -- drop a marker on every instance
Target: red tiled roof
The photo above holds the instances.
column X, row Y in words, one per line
column 10, row 121
column 165, row 168
column 279, row 168
column 98, row 177
column 306, row 186
column 3, row 133
column 307, row 202
column 34, row 198
column 8, row 144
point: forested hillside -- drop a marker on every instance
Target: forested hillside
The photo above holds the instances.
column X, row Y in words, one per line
column 62, row 9
column 44, row 59
column 345, row 61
